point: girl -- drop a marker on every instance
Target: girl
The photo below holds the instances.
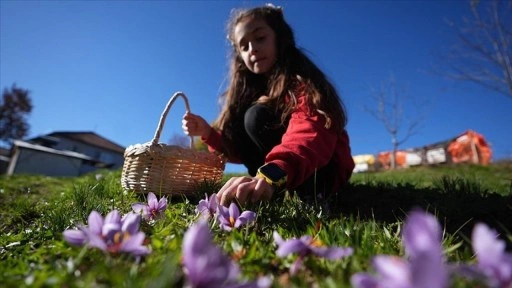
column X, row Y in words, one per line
column 281, row 117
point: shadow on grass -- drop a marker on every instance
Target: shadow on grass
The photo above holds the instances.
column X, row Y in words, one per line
column 458, row 204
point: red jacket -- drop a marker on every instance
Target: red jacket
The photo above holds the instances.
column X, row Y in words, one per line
column 306, row 145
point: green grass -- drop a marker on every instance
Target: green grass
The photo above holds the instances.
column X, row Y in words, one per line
column 368, row 215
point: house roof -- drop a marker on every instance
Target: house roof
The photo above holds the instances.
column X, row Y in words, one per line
column 90, row 138
column 72, row 154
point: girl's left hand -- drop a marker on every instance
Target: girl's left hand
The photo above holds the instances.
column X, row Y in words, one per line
column 244, row 189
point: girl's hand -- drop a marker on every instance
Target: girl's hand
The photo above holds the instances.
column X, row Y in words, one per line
column 195, row 125
column 244, row 189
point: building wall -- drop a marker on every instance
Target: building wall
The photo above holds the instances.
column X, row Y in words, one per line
column 39, row 162
column 4, row 164
column 103, row 155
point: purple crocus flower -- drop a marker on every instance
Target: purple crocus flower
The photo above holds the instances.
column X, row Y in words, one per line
column 81, row 236
column 75, row 237
column 112, row 234
column 230, row 218
column 208, row 207
column 493, row 261
column 205, row 264
column 424, row 265
column 307, row 245
column 153, row 209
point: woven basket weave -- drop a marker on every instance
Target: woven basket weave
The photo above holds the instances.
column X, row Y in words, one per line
column 169, row 169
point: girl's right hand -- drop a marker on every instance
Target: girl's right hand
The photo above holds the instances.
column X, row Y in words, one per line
column 244, row 190
column 195, row 125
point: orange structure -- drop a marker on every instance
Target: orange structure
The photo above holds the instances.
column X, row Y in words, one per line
column 385, row 159
column 470, row 147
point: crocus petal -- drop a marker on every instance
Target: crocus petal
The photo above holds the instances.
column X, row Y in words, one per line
column 112, row 224
column 213, row 204
column 493, row 261
column 262, row 282
column 201, row 273
column 75, row 237
column 140, row 251
column 205, row 264
column 95, row 222
column 196, row 240
column 428, row 271
column 332, row 253
column 113, row 217
column 226, row 227
column 422, row 233
column 203, row 203
column 152, row 200
column 218, row 274
column 140, row 208
column 205, row 214
column 109, row 229
column 213, row 201
column 393, row 269
column 223, row 213
column 291, row 246
column 277, row 238
column 223, row 217
column 202, row 207
column 131, row 223
column 234, row 211
column 95, row 240
column 224, row 220
column 162, row 204
column 134, row 245
column 363, row 280
column 487, row 247
column 505, row 270
column 245, row 217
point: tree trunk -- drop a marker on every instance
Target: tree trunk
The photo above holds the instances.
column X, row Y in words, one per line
column 393, row 155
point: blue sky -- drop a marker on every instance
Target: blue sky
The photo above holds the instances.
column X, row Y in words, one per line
column 111, row 66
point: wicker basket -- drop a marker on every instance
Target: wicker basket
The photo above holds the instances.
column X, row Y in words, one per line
column 169, row 169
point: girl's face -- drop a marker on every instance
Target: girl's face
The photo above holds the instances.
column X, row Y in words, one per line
column 255, row 41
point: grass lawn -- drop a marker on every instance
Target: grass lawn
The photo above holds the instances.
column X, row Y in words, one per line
column 368, row 216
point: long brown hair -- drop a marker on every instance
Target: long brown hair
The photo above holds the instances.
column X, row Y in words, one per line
column 291, row 68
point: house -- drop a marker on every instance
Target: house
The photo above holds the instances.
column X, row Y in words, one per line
column 64, row 154
column 5, row 157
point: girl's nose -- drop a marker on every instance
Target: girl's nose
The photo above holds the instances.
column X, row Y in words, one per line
column 252, row 48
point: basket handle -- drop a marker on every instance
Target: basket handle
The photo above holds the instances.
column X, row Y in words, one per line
column 156, row 138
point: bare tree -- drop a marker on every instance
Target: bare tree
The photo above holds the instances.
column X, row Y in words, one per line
column 390, row 101
column 483, row 50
